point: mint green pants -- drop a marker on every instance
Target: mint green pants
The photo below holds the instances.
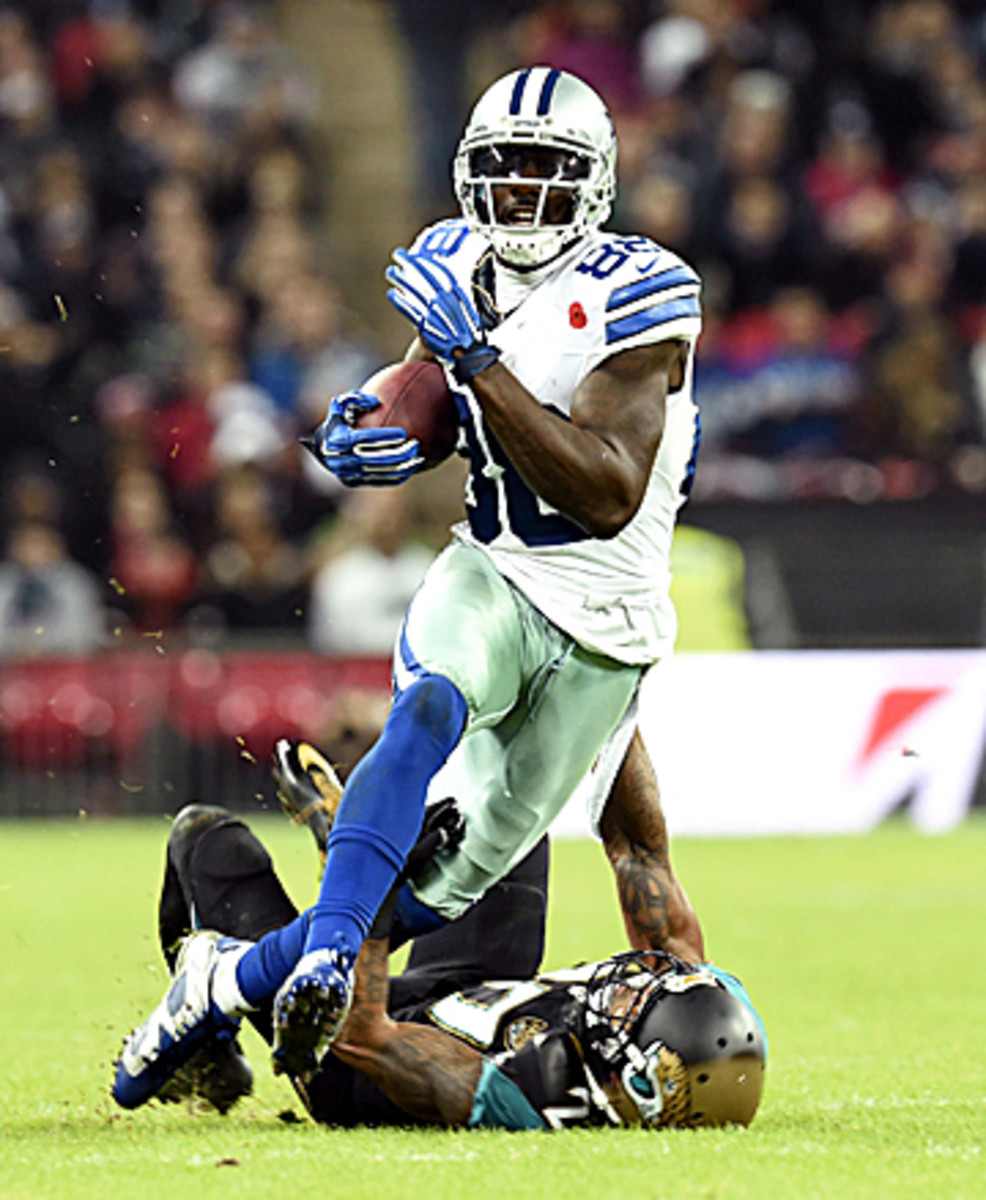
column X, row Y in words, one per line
column 541, row 708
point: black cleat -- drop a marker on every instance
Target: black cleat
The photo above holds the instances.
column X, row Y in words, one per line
column 218, row 1075
column 308, row 788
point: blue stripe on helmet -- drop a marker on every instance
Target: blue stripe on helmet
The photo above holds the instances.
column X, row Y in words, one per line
column 547, row 91
column 657, row 314
column 518, row 93
column 671, row 277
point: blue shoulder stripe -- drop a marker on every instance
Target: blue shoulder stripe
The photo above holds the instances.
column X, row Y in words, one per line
column 547, row 91
column 671, row 277
column 646, row 318
column 518, row 93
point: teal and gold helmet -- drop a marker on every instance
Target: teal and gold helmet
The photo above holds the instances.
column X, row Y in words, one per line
column 672, row 1043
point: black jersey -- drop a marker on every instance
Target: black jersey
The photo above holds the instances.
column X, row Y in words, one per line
column 533, row 1033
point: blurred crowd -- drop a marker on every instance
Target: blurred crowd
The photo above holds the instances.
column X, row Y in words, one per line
column 168, row 324
column 823, row 165
column 169, row 319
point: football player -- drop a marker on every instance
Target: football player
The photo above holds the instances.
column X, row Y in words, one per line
column 570, row 352
column 641, row 1038
column 637, row 1039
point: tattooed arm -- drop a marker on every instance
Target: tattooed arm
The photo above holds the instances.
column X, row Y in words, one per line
column 657, row 913
column 428, row 1073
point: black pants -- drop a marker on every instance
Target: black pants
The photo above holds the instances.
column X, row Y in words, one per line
column 219, row 876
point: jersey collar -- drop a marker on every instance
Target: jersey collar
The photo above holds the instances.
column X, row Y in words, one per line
column 498, row 289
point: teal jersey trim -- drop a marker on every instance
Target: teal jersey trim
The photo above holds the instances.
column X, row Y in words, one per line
column 500, row 1104
column 733, row 985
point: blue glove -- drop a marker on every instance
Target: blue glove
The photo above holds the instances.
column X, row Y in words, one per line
column 362, row 457
column 428, row 294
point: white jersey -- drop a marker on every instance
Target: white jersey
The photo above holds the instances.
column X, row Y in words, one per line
column 610, row 294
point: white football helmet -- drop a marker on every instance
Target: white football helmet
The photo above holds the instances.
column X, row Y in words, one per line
column 551, row 131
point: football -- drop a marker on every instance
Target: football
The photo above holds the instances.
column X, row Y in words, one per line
column 415, row 396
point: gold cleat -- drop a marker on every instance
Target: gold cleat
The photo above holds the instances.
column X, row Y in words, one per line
column 308, row 788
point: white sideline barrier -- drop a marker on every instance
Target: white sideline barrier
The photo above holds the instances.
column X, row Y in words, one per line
column 811, row 742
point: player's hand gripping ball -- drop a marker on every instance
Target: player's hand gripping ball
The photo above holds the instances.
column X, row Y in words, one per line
column 401, row 421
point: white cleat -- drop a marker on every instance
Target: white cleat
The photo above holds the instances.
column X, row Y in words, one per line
column 185, row 1019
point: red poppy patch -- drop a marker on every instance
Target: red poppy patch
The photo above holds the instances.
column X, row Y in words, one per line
column 576, row 316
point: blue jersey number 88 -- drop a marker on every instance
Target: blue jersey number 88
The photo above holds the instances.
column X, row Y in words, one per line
column 498, row 497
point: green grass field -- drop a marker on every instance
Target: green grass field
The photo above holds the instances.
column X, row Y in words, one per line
column 865, row 956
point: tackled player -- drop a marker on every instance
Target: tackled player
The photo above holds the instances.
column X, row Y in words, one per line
column 654, row 1039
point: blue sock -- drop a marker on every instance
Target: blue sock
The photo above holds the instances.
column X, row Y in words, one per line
column 264, row 967
column 381, row 810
